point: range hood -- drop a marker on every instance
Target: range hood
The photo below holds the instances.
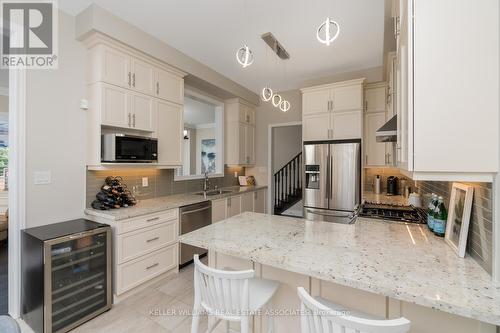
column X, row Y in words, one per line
column 388, row 132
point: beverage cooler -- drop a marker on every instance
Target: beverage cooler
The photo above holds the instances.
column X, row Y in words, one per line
column 66, row 274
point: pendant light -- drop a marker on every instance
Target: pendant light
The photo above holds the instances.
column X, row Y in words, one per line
column 244, row 56
column 285, row 105
column 276, row 100
column 328, row 31
column 267, row 94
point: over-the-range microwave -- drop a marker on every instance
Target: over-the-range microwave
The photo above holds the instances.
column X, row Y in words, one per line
column 122, row 148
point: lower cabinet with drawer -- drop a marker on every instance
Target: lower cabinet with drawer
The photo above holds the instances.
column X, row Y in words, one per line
column 144, row 247
column 138, row 271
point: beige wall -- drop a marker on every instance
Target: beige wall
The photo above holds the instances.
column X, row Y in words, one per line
column 55, row 133
column 268, row 115
column 287, row 143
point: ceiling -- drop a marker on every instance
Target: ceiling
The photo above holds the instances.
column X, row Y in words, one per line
column 212, row 31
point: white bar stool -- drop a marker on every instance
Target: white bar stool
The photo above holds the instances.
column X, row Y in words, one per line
column 229, row 296
column 321, row 316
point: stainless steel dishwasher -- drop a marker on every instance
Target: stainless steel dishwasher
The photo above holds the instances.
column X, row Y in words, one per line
column 193, row 217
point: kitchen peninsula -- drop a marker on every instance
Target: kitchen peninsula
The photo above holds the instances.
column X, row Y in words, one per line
column 384, row 269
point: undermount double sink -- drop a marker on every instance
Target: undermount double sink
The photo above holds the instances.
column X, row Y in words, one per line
column 211, row 193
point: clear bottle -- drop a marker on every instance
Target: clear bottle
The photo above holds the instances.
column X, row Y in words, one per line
column 440, row 218
column 430, row 211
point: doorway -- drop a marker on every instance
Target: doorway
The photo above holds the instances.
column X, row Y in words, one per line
column 285, row 165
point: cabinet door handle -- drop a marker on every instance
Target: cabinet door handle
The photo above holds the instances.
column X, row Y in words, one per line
column 157, row 88
column 152, row 266
column 366, row 159
column 129, row 79
column 152, row 239
column 366, row 105
column 229, row 202
column 153, row 219
column 133, row 80
column 133, row 120
column 129, row 120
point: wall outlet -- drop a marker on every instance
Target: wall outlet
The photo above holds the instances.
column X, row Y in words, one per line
column 145, row 182
column 42, row 177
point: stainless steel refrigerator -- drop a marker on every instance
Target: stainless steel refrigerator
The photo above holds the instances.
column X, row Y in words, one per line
column 332, row 180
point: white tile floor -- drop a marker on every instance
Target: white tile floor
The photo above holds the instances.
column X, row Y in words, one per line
column 160, row 308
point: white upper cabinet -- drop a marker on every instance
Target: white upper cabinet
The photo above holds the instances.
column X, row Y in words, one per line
column 109, row 65
column 316, row 101
column 142, row 79
column 113, row 103
column 170, row 124
column 375, row 154
column 376, row 114
column 113, row 63
column 333, row 111
column 239, row 133
column 169, row 86
column 130, row 92
column 142, row 112
column 449, row 89
column 347, row 97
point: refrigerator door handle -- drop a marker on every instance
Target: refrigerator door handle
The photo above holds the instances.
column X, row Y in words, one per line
column 328, row 178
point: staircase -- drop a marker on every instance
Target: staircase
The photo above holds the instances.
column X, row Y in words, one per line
column 288, row 185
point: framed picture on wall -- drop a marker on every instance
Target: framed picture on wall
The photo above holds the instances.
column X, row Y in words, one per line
column 457, row 226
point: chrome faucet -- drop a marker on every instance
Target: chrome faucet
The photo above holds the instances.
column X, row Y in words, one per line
column 206, row 184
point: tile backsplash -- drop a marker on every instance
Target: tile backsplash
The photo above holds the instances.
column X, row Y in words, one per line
column 480, row 238
column 160, row 182
column 371, row 173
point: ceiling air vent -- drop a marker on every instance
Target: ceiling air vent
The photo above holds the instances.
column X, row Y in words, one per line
column 275, row 45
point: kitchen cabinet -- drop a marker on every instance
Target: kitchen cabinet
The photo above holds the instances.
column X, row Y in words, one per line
column 122, row 108
column 144, row 248
column 259, row 203
column 447, row 98
column 108, row 64
column 333, row 111
column 218, row 210
column 142, row 79
column 130, row 92
column 169, row 133
column 113, row 104
column 239, row 133
column 377, row 154
column 247, row 202
column 169, row 86
column 119, row 65
column 233, row 206
column 142, row 112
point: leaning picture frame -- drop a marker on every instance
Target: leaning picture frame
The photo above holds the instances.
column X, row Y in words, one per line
column 459, row 213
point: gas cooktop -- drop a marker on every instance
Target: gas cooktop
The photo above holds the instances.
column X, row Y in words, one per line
column 393, row 212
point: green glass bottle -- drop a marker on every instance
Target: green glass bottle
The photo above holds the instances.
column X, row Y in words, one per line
column 440, row 218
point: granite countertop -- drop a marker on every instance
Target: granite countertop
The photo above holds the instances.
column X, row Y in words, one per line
column 401, row 261
column 149, row 206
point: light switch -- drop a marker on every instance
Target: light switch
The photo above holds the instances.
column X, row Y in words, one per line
column 42, row 177
column 236, row 174
column 145, row 182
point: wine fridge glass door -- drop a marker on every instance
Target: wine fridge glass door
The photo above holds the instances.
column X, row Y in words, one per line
column 77, row 285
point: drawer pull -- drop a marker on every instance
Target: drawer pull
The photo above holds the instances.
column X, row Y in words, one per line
column 153, row 219
column 152, row 239
column 152, row 266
